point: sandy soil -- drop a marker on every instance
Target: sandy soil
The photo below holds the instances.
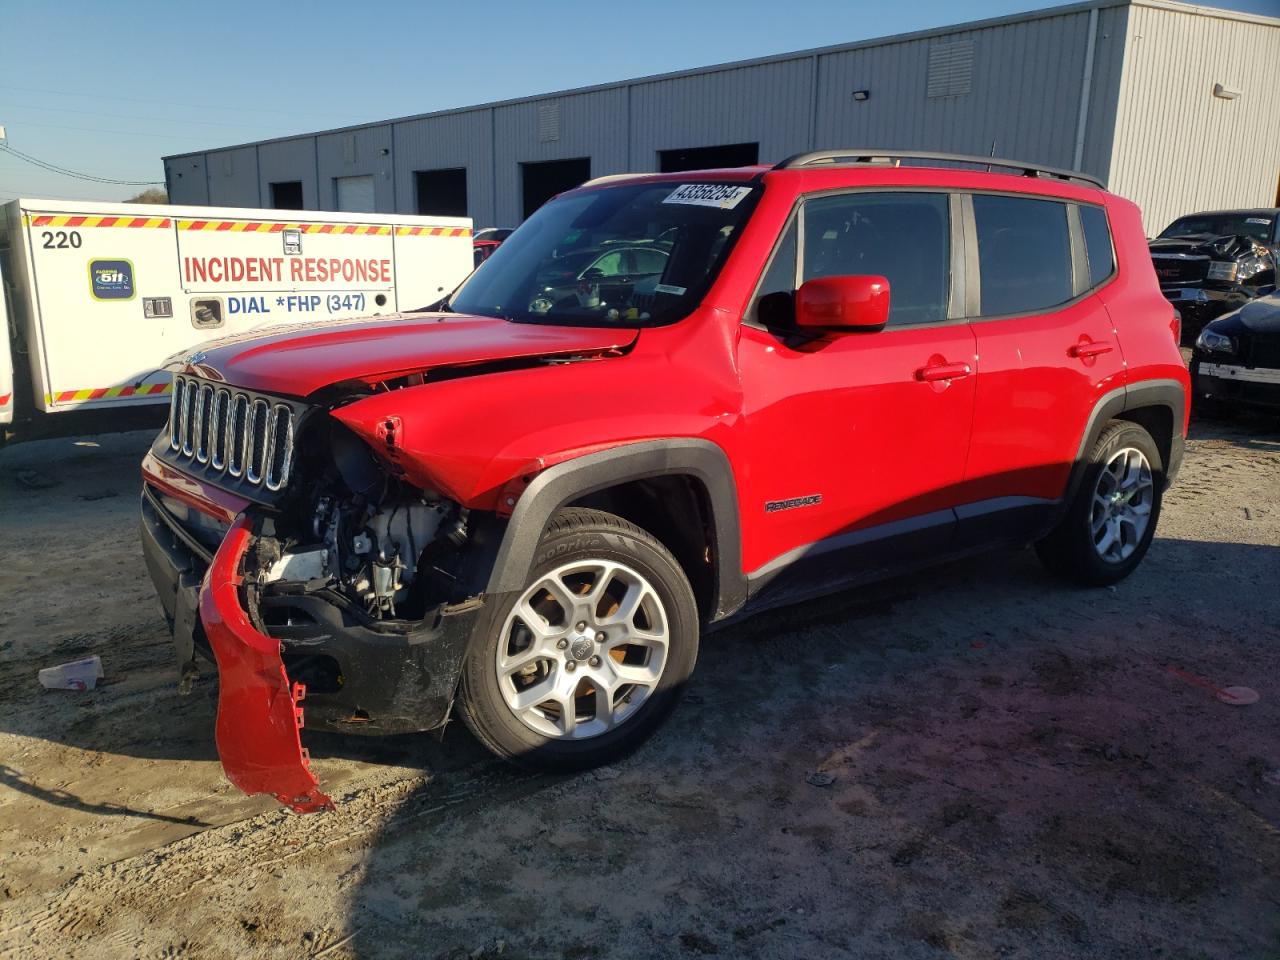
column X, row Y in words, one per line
column 978, row 762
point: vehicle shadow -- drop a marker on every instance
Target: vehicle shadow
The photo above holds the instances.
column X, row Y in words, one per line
column 1249, row 428
column 15, row 781
column 976, row 759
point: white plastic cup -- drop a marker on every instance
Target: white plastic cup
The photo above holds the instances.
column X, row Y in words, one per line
column 76, row 675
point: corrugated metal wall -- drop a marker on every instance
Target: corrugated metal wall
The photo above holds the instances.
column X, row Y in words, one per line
column 353, row 153
column 185, row 179
column 590, row 124
column 1022, row 101
column 295, row 159
column 1015, row 84
column 233, row 177
column 461, row 139
column 1179, row 148
column 770, row 104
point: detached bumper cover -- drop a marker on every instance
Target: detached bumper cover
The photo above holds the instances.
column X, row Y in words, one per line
column 258, row 713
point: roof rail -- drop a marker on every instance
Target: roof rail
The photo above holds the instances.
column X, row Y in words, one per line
column 611, row 178
column 865, row 155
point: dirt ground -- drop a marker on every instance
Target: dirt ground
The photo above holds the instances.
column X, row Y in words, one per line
column 978, row 762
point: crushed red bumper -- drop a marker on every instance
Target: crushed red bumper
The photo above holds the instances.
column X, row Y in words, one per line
column 258, row 713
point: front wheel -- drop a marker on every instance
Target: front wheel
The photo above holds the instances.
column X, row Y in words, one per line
column 1110, row 523
column 581, row 667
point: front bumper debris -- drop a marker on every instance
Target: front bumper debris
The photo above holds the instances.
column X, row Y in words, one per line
column 1228, row 380
column 258, row 712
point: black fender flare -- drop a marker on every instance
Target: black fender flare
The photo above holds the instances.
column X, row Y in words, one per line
column 1144, row 393
column 567, row 481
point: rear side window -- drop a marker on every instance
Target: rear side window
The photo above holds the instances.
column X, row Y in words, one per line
column 904, row 237
column 1097, row 243
column 1024, row 254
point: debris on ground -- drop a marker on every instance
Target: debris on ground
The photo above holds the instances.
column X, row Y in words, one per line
column 76, row 675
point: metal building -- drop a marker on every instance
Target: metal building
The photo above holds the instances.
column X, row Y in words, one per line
column 1176, row 106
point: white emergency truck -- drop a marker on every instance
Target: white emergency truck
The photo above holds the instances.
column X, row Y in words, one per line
column 6, row 364
column 100, row 294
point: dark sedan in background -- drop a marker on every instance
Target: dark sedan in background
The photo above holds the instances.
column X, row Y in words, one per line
column 1237, row 358
column 1209, row 263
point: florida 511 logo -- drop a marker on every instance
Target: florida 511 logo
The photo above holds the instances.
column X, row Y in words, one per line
column 111, row 279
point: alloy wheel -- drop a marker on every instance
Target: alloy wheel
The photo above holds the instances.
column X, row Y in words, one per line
column 1121, row 508
column 582, row 649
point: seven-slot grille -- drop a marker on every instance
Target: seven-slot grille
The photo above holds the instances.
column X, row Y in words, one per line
column 242, row 436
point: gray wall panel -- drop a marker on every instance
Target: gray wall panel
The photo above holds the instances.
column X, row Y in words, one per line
column 591, row 125
column 290, row 160
column 233, row 177
column 352, row 154
column 769, row 104
column 452, row 140
column 185, row 177
column 1179, row 148
column 1104, row 95
column 1024, row 98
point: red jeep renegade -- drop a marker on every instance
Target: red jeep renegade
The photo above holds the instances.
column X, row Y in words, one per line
column 666, row 402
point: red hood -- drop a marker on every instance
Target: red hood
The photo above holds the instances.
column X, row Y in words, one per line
column 299, row 359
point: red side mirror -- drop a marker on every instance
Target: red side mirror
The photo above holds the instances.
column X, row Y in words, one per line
column 858, row 303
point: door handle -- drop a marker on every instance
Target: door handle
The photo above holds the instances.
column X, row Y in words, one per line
column 943, row 371
column 1083, row 351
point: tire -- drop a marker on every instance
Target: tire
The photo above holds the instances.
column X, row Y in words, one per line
column 1074, row 549
column 529, row 646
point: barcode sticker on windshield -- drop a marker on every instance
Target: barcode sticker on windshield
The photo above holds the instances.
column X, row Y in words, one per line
column 669, row 288
column 1262, row 220
column 726, row 196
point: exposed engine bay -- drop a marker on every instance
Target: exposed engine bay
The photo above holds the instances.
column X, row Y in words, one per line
column 360, row 536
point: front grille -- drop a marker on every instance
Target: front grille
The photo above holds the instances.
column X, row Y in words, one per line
column 1173, row 268
column 1260, row 351
column 224, row 432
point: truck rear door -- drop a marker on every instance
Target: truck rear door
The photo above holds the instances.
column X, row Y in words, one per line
column 101, row 284
column 6, row 361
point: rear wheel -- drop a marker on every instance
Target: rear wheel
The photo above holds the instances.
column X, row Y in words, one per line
column 583, row 664
column 1110, row 523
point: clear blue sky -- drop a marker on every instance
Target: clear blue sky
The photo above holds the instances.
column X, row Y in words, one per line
column 110, row 88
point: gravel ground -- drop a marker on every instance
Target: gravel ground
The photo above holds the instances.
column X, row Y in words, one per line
column 975, row 762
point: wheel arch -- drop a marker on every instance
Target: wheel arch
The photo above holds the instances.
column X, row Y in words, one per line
column 1158, row 406
column 676, row 509
column 607, row 478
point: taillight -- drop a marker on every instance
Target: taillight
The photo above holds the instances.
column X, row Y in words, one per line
column 1175, row 327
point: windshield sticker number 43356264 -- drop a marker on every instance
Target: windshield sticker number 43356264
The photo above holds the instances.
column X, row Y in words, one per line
column 726, row 196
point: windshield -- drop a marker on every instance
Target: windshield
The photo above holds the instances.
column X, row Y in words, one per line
column 631, row 255
column 1222, row 225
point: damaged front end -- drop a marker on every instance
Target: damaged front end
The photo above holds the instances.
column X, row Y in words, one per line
column 258, row 712
column 336, row 579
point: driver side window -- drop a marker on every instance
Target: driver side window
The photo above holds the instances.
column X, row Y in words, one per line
column 904, row 237
column 775, row 300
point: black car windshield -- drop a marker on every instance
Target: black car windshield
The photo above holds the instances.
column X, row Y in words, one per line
column 631, row 255
column 1253, row 225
